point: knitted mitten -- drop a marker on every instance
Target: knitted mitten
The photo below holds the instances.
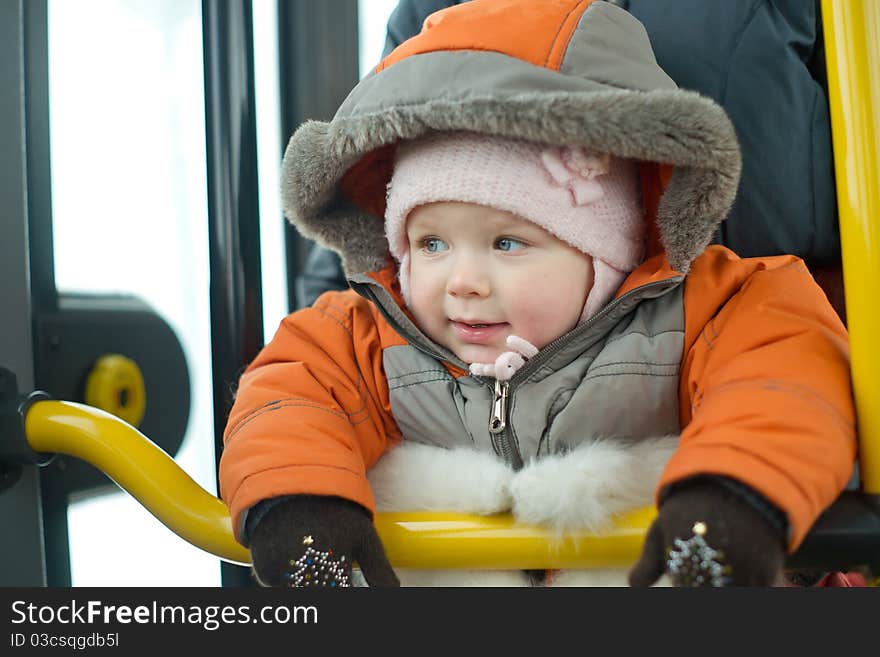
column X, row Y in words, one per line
column 308, row 540
column 707, row 535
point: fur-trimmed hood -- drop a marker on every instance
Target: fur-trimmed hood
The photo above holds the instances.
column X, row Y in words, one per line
column 566, row 72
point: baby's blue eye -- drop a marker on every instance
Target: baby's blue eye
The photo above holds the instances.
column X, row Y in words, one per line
column 509, row 244
column 434, row 245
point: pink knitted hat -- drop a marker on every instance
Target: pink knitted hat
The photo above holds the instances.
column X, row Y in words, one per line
column 591, row 202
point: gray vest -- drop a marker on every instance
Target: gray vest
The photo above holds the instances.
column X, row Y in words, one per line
column 614, row 376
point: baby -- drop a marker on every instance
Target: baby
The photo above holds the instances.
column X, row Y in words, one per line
column 522, row 200
column 505, row 246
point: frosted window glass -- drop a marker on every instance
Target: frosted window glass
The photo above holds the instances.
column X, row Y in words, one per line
column 130, row 215
column 372, row 21
column 269, row 152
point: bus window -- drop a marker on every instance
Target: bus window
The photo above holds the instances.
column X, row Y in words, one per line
column 130, row 215
column 372, row 20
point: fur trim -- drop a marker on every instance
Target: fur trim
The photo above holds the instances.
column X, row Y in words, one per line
column 413, row 476
column 676, row 127
column 585, row 488
column 581, row 489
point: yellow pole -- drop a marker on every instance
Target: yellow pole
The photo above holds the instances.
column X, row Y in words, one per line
column 140, row 467
column 416, row 540
column 852, row 51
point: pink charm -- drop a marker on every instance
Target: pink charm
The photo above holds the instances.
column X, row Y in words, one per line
column 507, row 364
column 521, row 346
column 482, row 369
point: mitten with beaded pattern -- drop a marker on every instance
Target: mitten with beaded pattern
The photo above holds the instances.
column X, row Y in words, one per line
column 305, row 540
column 714, row 538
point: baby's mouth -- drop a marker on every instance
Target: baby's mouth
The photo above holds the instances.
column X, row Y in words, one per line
column 475, row 323
column 478, row 332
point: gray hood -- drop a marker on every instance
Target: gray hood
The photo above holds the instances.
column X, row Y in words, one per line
column 598, row 86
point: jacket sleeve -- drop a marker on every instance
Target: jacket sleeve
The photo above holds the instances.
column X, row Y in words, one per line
column 770, row 402
column 312, row 411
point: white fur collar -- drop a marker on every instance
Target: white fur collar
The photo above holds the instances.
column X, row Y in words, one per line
column 582, row 489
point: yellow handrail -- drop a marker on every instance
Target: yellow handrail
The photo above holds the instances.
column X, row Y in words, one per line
column 138, row 466
column 445, row 540
column 415, row 540
column 852, row 51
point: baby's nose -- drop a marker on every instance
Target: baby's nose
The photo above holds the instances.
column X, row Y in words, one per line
column 468, row 278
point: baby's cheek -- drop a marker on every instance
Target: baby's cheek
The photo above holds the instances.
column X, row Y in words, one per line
column 532, row 322
column 426, row 311
column 549, row 312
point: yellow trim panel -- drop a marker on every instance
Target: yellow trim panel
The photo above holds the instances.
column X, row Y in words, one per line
column 852, row 51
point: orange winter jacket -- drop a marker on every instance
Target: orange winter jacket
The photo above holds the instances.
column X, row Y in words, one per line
column 743, row 358
column 764, row 392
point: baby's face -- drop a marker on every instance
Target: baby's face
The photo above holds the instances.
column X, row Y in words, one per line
column 479, row 274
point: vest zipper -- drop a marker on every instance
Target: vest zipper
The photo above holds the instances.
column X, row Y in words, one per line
column 499, row 430
column 498, row 419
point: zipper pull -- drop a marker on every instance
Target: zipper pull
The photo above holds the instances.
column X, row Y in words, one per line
column 498, row 419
